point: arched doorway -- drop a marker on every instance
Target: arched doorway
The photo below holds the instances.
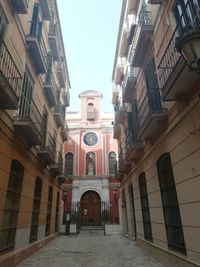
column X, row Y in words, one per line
column 90, row 208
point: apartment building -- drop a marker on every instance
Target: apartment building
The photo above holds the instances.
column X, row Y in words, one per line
column 34, row 93
column 157, row 107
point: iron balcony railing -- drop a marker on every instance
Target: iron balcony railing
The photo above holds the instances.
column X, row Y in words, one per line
column 52, row 29
column 28, row 111
column 59, row 161
column 59, row 113
column 144, row 22
column 150, row 104
column 61, row 72
column 50, row 80
column 51, row 145
column 35, row 39
column 189, row 21
column 128, row 84
column 9, row 69
column 66, row 97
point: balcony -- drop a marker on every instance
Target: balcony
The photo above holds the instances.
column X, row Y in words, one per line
column 151, row 115
column 28, row 123
column 50, row 89
column 120, row 70
column 66, row 97
column 10, row 80
column 125, row 34
column 61, row 73
column 134, row 148
column 120, row 113
column 64, row 133
column 175, row 79
column 142, row 39
column 124, row 165
column 53, row 41
column 37, row 49
column 57, row 166
column 46, row 153
column 59, row 114
column 45, row 9
column 116, row 131
column 20, row 6
column 129, row 84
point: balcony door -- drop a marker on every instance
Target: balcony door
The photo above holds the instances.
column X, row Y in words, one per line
column 152, row 86
column 25, row 102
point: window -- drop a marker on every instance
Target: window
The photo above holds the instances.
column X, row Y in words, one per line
column 153, row 92
column 49, row 67
column 173, row 224
column 49, row 207
column 36, row 24
column 90, row 139
column 90, row 111
column 145, row 207
column 187, row 14
column 69, row 164
column 90, row 164
column 25, row 101
column 10, row 215
column 36, row 209
column 112, row 162
column 57, row 211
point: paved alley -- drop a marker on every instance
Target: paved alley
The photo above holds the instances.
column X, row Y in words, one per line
column 90, row 251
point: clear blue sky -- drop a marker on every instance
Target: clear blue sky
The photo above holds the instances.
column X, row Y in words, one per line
column 90, row 30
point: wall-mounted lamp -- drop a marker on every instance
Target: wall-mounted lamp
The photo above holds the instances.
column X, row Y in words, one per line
column 188, row 44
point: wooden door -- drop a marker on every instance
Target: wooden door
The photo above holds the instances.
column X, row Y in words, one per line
column 90, row 209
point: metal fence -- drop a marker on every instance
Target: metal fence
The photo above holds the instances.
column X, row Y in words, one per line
column 92, row 217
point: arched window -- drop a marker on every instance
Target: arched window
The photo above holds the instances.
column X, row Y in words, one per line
column 49, row 207
column 10, row 215
column 57, row 211
column 173, row 224
column 145, row 207
column 112, row 162
column 90, row 111
column 90, row 164
column 69, row 164
column 36, row 209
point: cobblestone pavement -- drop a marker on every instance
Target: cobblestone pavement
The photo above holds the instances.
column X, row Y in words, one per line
column 90, row 251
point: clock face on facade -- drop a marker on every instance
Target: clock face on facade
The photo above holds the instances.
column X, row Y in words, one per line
column 90, row 139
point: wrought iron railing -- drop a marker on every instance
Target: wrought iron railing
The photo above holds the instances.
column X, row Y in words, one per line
column 51, row 80
column 171, row 57
column 59, row 109
column 150, row 104
column 9, row 69
column 59, row 161
column 52, row 29
column 51, row 144
column 28, row 111
column 36, row 32
column 109, row 212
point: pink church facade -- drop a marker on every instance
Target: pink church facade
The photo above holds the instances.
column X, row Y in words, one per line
column 90, row 160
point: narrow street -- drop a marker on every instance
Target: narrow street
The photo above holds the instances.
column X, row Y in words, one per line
column 91, row 251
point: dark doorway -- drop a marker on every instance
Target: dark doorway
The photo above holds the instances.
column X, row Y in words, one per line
column 90, row 208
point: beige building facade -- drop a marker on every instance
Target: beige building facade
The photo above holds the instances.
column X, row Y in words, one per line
column 34, row 93
column 156, row 102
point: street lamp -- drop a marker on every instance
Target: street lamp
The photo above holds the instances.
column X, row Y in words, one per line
column 188, row 44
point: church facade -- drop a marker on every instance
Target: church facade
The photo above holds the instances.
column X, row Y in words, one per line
column 90, row 162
